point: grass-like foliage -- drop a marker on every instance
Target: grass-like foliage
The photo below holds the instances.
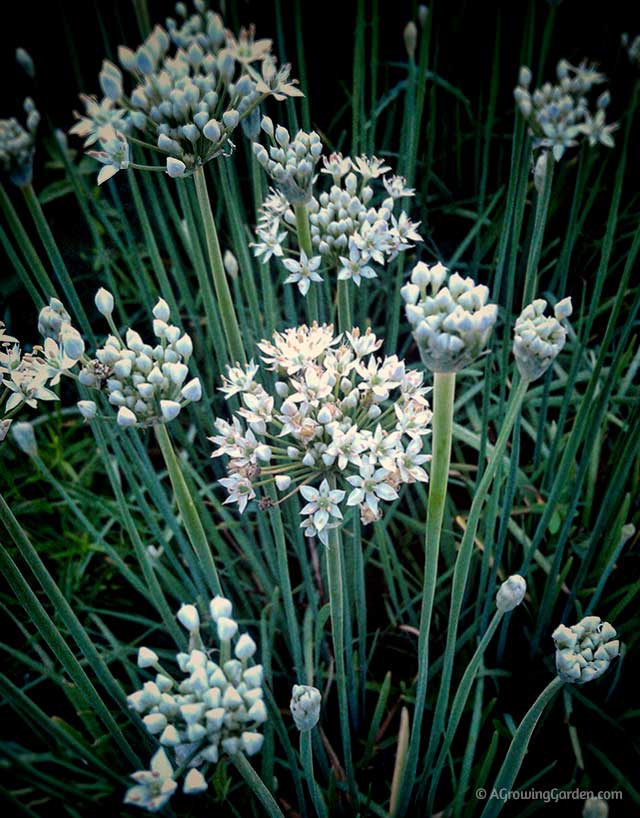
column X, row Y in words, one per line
column 320, row 421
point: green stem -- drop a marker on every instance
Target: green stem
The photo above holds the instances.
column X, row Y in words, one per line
column 336, row 603
column 540, row 219
column 188, row 511
column 518, row 748
column 284, row 580
column 345, row 320
column 223, row 293
column 463, row 561
column 257, row 785
column 459, row 702
column 306, row 754
column 444, row 384
column 303, row 230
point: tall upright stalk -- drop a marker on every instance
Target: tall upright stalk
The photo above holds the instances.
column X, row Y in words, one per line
column 539, row 223
column 336, row 602
column 188, row 510
column 444, row 384
column 223, row 293
column 463, row 561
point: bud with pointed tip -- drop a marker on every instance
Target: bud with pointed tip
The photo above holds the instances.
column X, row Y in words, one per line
column 24, row 437
column 87, row 409
column 188, row 617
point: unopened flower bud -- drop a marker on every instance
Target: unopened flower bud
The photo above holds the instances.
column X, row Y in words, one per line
column 175, row 167
column 194, row 782
column 188, row 617
column 584, row 651
column 87, row 409
column 511, row 593
column 410, row 38
column 538, row 338
column 227, row 628
column 230, row 264
column 104, row 302
column 305, row 706
column 147, row 658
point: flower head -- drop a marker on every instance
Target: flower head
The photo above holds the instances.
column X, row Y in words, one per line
column 343, row 427
column 148, row 384
column 290, row 162
column 305, row 706
column 192, row 84
column 449, row 315
column 354, row 221
column 539, row 339
column 584, row 651
column 216, row 708
column 17, row 145
column 558, row 115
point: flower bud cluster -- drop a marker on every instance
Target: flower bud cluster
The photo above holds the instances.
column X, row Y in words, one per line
column 353, row 222
column 450, row 317
column 17, row 145
column 216, row 708
column 539, row 339
column 343, row 427
column 559, row 115
column 584, row 651
column 194, row 83
column 305, row 706
column 147, row 383
column 289, row 162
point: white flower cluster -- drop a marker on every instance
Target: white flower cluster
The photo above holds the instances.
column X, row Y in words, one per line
column 146, row 383
column 352, row 228
column 17, row 145
column 558, row 115
column 341, row 419
column 584, row 651
column 216, row 708
column 539, row 339
column 28, row 377
column 511, row 593
column 305, row 706
column 451, row 324
column 289, row 162
column 193, row 85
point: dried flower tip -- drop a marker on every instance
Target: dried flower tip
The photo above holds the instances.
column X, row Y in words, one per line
column 305, row 706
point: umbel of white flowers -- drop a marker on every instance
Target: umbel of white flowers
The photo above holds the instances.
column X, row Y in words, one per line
column 450, row 317
column 145, row 382
column 511, row 593
column 289, row 162
column 305, row 706
column 559, row 115
column 28, row 376
column 17, row 145
column 538, row 338
column 194, row 84
column 584, row 651
column 343, row 427
column 216, row 708
column 353, row 226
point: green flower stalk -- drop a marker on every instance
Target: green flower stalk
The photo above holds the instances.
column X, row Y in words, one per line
column 583, row 653
column 305, row 710
column 451, row 326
